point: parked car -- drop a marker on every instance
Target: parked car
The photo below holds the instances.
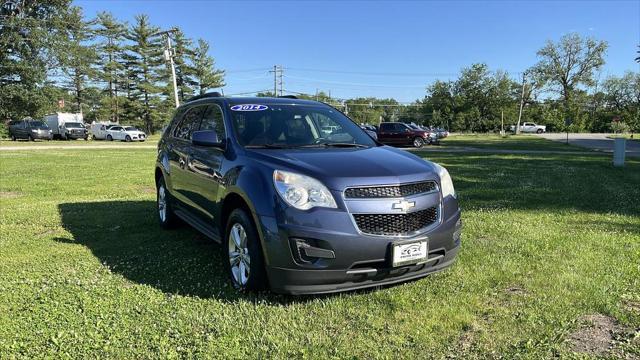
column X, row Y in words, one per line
column 125, row 133
column 369, row 131
column 530, row 127
column 442, row 133
column 99, row 130
column 298, row 211
column 29, row 129
column 397, row 133
column 432, row 135
column 67, row 126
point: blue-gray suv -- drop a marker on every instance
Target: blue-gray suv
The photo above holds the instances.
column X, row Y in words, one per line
column 302, row 199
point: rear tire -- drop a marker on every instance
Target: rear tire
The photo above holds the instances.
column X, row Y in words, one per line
column 242, row 253
column 418, row 142
column 164, row 205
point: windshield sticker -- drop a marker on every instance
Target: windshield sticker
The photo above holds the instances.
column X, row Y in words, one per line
column 249, row 107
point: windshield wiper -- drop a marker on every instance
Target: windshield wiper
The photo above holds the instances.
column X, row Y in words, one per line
column 338, row 144
column 268, row 146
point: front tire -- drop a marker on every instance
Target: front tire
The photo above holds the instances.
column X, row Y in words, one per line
column 243, row 254
column 109, row 138
column 539, row 131
column 13, row 138
column 418, row 142
column 164, row 205
column 31, row 138
column 127, row 139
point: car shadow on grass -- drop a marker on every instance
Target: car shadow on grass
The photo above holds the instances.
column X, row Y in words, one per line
column 126, row 238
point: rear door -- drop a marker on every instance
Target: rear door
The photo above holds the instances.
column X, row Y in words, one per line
column 205, row 163
column 179, row 151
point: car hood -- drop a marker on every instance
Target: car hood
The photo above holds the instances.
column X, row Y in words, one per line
column 340, row 168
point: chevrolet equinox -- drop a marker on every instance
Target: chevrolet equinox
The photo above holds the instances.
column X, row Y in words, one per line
column 301, row 199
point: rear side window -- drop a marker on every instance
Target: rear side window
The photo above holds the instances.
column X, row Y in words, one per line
column 386, row 127
column 212, row 120
column 189, row 123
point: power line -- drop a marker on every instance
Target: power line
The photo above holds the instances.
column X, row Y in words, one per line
column 355, row 84
column 373, row 73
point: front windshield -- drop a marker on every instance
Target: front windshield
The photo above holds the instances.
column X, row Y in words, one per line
column 37, row 124
column 296, row 126
column 73, row 125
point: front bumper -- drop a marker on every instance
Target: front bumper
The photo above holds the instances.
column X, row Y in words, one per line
column 360, row 261
column 41, row 135
column 76, row 136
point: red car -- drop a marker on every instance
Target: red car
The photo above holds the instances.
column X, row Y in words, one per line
column 397, row 133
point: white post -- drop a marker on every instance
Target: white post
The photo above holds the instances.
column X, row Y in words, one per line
column 619, row 147
column 173, row 70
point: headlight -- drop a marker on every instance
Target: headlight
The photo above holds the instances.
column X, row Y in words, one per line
column 446, row 183
column 302, row 192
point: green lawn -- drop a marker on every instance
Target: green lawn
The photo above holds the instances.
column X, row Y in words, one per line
column 510, row 142
column 86, row 272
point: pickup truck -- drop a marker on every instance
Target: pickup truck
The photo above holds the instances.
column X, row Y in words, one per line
column 530, row 127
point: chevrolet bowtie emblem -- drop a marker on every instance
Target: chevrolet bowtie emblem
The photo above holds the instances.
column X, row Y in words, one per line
column 403, row 205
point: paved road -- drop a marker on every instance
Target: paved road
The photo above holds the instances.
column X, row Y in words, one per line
column 598, row 142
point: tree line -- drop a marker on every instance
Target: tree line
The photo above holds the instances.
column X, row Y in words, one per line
column 53, row 59
column 111, row 70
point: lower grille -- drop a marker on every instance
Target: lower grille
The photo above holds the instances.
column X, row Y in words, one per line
column 396, row 224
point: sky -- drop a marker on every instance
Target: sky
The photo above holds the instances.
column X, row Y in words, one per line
column 382, row 49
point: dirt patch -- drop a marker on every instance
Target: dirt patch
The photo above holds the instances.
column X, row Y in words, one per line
column 516, row 290
column 596, row 334
column 631, row 305
column 10, row 194
column 147, row 189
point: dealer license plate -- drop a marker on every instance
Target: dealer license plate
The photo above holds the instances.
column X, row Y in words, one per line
column 409, row 253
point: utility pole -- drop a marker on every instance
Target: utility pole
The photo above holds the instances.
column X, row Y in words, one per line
column 524, row 74
column 277, row 71
column 168, row 56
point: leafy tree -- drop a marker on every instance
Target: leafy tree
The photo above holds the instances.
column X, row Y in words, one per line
column 205, row 75
column 27, row 34
column 111, row 48
column 567, row 65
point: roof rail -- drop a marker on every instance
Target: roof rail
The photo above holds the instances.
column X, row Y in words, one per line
column 204, row 96
column 288, row 96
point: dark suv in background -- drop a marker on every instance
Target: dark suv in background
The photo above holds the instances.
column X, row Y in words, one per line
column 397, row 133
column 301, row 199
column 29, row 129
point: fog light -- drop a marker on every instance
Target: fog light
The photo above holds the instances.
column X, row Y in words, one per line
column 307, row 251
column 458, row 232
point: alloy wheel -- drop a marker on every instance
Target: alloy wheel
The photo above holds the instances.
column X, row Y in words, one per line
column 239, row 258
column 162, row 203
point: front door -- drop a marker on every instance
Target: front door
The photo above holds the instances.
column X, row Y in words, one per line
column 179, row 151
column 204, row 165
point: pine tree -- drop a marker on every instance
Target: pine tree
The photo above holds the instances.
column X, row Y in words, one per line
column 78, row 56
column 144, row 65
column 111, row 49
column 206, row 76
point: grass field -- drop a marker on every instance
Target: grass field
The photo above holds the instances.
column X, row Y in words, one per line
column 86, row 272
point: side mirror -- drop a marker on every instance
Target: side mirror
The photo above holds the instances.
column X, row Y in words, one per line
column 207, row 138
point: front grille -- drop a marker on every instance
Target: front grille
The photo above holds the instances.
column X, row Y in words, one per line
column 390, row 191
column 396, row 224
